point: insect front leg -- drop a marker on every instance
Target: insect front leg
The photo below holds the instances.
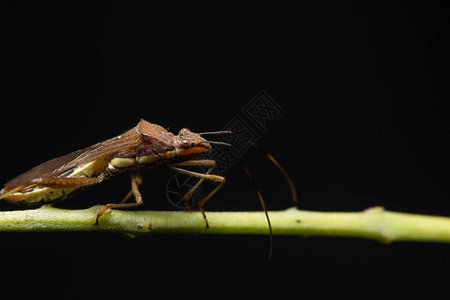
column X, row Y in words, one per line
column 136, row 181
column 202, row 177
column 196, row 163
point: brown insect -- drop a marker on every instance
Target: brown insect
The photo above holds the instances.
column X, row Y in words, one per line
column 145, row 146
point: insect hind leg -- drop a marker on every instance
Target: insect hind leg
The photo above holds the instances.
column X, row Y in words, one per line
column 68, row 182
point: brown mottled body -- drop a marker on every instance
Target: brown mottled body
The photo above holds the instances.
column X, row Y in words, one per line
column 145, row 146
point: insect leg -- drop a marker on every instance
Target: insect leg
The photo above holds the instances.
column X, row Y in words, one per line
column 134, row 189
column 68, row 182
column 136, row 181
column 196, row 163
column 204, row 176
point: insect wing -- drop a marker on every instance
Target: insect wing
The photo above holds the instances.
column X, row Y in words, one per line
column 62, row 164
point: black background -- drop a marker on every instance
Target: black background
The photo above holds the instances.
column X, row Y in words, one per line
column 364, row 88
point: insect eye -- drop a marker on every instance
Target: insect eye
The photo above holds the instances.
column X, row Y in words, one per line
column 185, row 144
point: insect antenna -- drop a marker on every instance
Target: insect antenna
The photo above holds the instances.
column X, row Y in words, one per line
column 252, row 179
column 278, row 165
column 267, row 154
column 216, row 132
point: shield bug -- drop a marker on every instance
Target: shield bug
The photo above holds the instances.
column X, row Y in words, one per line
column 145, row 146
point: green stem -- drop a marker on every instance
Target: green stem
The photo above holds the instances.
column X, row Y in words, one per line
column 374, row 223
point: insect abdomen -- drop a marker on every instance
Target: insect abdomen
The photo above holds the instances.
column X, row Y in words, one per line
column 35, row 193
